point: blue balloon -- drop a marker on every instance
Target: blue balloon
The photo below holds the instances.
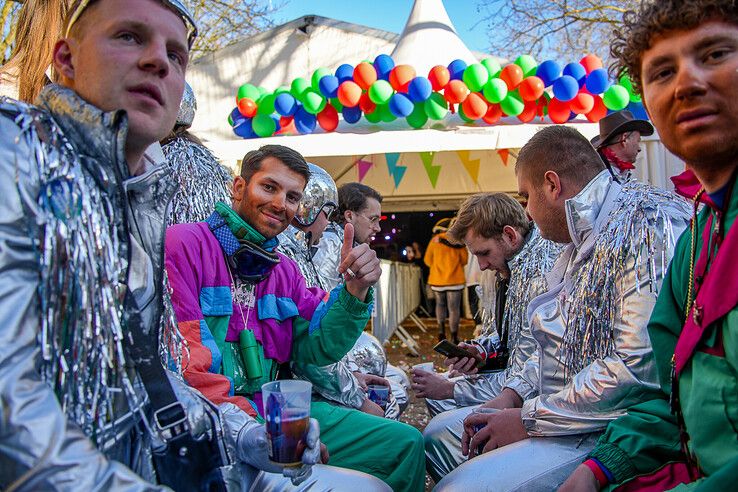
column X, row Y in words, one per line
column 565, row 88
column 639, row 112
column 236, row 116
column 577, row 71
column 304, row 121
column 383, row 64
column 285, row 104
column 243, row 128
column 419, row 89
column 276, row 122
column 328, row 85
column 597, row 81
column 351, row 115
column 400, row 105
column 548, row 71
column 456, row 69
column 345, row 72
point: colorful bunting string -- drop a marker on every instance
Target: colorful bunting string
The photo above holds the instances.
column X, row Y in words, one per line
column 432, row 171
column 471, row 165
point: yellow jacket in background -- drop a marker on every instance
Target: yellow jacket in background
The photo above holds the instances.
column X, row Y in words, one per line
column 446, row 262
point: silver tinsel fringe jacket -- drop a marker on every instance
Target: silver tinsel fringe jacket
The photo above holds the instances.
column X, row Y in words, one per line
column 594, row 357
column 75, row 415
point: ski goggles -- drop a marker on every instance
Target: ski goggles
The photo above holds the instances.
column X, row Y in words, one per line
column 78, row 7
column 306, row 216
column 252, row 263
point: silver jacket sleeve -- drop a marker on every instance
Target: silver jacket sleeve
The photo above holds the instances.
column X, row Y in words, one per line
column 522, row 374
column 39, row 449
column 605, row 388
column 334, row 382
column 327, row 258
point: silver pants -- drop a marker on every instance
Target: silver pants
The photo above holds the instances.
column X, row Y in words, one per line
column 535, row 464
column 323, row 478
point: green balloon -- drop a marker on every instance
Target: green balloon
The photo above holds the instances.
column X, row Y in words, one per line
column 493, row 68
column 313, row 102
column 265, row 105
column 513, row 104
column 298, row 87
column 626, row 82
column 380, row 92
column 230, row 120
column 475, row 76
column 417, row 118
column 263, row 125
column 528, row 64
column 281, row 89
column 616, row 97
column 435, row 106
column 495, row 90
column 464, row 116
column 385, row 114
column 373, row 117
column 319, row 74
column 248, row 90
column 337, row 104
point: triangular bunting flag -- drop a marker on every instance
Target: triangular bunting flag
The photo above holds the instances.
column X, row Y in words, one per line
column 504, row 154
column 364, row 167
column 471, row 165
column 395, row 170
column 431, row 170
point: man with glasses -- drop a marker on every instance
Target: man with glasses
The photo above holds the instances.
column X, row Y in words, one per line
column 246, row 312
column 360, row 206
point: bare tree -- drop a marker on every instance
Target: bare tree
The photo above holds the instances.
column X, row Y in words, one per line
column 8, row 17
column 552, row 27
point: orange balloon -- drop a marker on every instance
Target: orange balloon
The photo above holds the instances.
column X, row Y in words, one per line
column 474, row 106
column 400, row 77
column 531, row 88
column 439, row 77
column 456, row 91
column 247, row 107
column 558, row 111
column 591, row 62
column 512, row 75
column 366, row 104
column 365, row 75
column 529, row 112
column 349, row 93
column 598, row 111
column 328, row 118
column 493, row 114
column 582, row 103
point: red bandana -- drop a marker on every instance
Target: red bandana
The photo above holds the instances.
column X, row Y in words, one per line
column 619, row 163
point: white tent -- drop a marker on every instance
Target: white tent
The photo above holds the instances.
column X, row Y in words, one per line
column 431, row 168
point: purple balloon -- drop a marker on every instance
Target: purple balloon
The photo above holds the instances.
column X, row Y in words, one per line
column 597, row 81
column 419, row 89
column 565, row 88
column 351, row 115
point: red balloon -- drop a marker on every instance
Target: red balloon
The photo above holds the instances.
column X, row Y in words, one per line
column 582, row 103
column 366, row 104
column 328, row 118
column 365, row 75
column 558, row 111
column 542, row 106
column 349, row 93
column 590, row 62
column 400, row 77
column 439, row 77
column 512, row 75
column 531, row 88
column 598, row 111
column 456, row 91
column 474, row 106
column 529, row 112
column 247, row 107
column 285, row 125
column 493, row 115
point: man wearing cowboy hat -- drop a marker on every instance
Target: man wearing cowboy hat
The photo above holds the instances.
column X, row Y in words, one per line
column 619, row 142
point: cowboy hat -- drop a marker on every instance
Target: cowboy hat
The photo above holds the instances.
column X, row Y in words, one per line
column 618, row 123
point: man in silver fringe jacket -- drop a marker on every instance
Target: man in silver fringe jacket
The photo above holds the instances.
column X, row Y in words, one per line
column 336, row 382
column 593, row 358
column 82, row 212
column 496, row 230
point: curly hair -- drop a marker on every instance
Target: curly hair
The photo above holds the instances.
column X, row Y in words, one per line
column 655, row 17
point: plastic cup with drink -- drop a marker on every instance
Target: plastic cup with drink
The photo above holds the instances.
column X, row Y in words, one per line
column 287, row 411
column 425, row 366
column 379, row 394
column 478, row 427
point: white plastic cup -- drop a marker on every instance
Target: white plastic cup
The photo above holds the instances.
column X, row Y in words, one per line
column 425, row 366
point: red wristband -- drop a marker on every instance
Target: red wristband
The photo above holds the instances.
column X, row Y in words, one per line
column 598, row 473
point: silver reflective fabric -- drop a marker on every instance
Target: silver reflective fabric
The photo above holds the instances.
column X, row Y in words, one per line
column 320, row 192
column 328, row 256
column 187, row 108
column 323, row 479
column 594, row 357
column 367, row 356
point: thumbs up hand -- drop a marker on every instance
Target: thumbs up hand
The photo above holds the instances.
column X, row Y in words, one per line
column 359, row 265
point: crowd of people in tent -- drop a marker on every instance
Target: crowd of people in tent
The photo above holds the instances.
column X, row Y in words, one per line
column 147, row 294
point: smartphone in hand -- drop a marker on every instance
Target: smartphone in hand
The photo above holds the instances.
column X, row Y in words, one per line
column 448, row 349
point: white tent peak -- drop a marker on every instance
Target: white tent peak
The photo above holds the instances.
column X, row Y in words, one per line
column 429, row 39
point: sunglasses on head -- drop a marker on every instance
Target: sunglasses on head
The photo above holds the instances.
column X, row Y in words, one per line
column 251, row 263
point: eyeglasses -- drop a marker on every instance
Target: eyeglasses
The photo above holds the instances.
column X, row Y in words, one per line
column 372, row 220
column 251, row 263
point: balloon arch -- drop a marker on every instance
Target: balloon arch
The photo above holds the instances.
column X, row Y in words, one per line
column 481, row 92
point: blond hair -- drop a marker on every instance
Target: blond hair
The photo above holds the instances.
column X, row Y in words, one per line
column 38, row 29
column 487, row 214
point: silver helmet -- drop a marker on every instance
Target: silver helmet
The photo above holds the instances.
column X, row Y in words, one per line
column 320, row 194
column 187, row 108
